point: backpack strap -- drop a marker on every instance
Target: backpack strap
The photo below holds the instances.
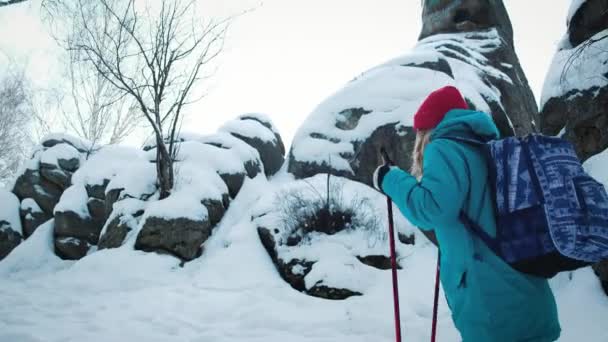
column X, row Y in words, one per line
column 471, row 225
column 491, row 242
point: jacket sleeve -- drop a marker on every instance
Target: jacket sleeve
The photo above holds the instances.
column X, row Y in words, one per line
column 439, row 196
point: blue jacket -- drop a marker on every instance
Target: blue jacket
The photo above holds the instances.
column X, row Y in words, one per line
column 490, row 301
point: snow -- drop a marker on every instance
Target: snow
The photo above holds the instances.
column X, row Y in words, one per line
column 577, row 69
column 222, row 160
column 29, row 204
column 126, row 168
column 250, row 129
column 392, row 92
column 9, row 210
column 34, row 256
column 233, row 293
column 596, row 167
column 59, row 151
column 80, row 144
column 179, row 205
column 74, row 199
column 335, row 256
column 260, row 117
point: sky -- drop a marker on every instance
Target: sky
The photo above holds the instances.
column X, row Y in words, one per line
column 286, row 56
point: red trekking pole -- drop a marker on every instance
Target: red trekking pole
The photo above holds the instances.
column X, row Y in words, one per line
column 436, row 299
column 391, row 234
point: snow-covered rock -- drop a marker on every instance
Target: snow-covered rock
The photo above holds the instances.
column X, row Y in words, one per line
column 47, row 175
column 32, row 216
column 575, row 92
column 344, row 133
column 10, row 223
column 123, row 220
column 258, row 131
column 177, row 225
column 248, row 155
column 325, row 252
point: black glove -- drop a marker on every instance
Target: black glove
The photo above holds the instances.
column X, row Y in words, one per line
column 382, row 170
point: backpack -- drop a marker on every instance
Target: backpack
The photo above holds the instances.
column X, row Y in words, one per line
column 551, row 216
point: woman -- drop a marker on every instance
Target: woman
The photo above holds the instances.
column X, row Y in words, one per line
column 490, row 301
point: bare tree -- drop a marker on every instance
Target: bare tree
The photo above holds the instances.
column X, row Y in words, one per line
column 88, row 105
column 94, row 109
column 15, row 109
column 154, row 56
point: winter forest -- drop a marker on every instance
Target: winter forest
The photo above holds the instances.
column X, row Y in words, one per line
column 129, row 211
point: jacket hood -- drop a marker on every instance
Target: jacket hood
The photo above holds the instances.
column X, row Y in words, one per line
column 464, row 123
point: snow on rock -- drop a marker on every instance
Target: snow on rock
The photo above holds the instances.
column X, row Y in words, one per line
column 9, row 210
column 596, row 166
column 120, row 168
column 46, row 176
column 324, row 253
column 53, row 139
column 266, row 122
column 75, row 228
column 111, row 174
column 182, row 222
column 344, row 133
column 36, row 254
column 10, row 223
column 123, row 222
column 576, row 87
column 62, row 155
column 248, row 155
column 32, row 216
column 225, row 162
column 259, row 133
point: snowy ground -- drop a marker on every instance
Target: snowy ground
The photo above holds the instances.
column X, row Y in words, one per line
column 232, row 293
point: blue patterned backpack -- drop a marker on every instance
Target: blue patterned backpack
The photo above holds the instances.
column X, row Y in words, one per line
column 551, row 216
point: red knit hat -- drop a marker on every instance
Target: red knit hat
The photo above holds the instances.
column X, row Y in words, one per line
column 436, row 105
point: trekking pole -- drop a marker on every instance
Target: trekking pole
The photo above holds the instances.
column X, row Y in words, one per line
column 436, row 299
column 391, row 234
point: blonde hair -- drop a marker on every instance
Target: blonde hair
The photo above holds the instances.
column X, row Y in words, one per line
column 423, row 137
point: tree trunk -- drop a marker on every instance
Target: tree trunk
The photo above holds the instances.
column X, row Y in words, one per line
column 164, row 168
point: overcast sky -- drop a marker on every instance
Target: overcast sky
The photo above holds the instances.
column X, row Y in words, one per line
column 286, row 56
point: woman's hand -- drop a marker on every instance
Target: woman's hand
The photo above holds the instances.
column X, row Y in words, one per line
column 382, row 170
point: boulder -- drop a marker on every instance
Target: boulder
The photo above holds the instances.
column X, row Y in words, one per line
column 314, row 251
column 124, row 219
column 75, row 225
column 465, row 43
column 80, row 145
column 70, row 248
column 9, row 238
column 97, row 190
column 69, row 164
column 248, row 155
column 258, row 135
column 115, row 233
column 56, row 175
column 234, row 182
column 32, row 216
column 266, row 122
column 215, row 209
column 575, row 93
column 97, row 209
column 181, row 237
column 111, row 197
column 31, row 185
